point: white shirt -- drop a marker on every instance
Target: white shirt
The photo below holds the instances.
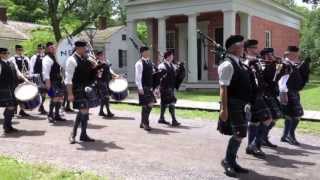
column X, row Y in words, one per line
column 225, row 71
column 138, row 72
column 19, row 74
column 70, row 69
column 47, row 63
column 13, row 59
column 33, row 61
column 163, row 66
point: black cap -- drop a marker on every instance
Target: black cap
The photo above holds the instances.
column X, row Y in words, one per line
column 98, row 53
column 18, row 46
column 143, row 49
column 49, row 44
column 293, row 49
column 80, row 43
column 40, row 46
column 167, row 54
column 266, row 50
column 3, row 50
column 250, row 43
column 233, row 39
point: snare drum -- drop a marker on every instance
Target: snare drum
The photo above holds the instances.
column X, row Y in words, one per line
column 27, row 95
column 119, row 89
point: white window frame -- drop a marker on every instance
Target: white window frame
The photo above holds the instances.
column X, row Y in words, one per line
column 171, row 34
column 268, row 39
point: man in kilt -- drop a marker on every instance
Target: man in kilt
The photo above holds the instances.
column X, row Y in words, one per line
column 261, row 114
column 80, row 78
column 52, row 75
column 36, row 69
column 167, row 88
column 9, row 76
column 236, row 95
column 144, row 70
column 104, row 75
column 289, row 86
column 271, row 92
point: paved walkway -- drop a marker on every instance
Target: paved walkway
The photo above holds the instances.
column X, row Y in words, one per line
column 123, row 151
column 214, row 106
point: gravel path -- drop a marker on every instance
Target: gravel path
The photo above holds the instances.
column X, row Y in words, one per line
column 123, row 151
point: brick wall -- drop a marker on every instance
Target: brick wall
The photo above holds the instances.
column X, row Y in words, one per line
column 282, row 35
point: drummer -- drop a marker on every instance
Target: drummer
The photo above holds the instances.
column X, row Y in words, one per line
column 104, row 75
column 36, row 69
column 9, row 76
column 52, row 75
column 23, row 64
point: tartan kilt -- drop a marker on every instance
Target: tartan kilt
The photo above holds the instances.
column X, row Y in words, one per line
column 275, row 107
column 294, row 107
column 238, row 117
column 85, row 100
column 167, row 96
column 260, row 110
column 7, row 98
column 147, row 97
column 57, row 89
column 103, row 90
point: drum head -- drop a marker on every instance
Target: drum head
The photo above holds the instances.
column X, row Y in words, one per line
column 26, row 92
column 118, row 85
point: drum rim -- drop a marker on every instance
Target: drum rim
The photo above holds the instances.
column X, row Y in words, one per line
column 25, row 83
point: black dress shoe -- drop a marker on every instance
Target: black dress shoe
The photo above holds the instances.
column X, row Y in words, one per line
column 68, row 110
column 23, row 114
column 110, row 115
column 229, row 170
column 175, row 123
column 255, row 152
column 102, row 114
column 11, row 130
column 294, row 141
column 287, row 140
column 58, row 118
column 240, row 169
column 146, row 127
column 86, row 139
column 14, row 129
column 72, row 140
column 141, row 125
column 163, row 121
column 267, row 143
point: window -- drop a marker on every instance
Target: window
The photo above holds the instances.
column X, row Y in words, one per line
column 171, row 41
column 268, row 39
column 124, row 37
column 122, row 58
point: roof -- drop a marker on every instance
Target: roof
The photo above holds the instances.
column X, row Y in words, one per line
column 18, row 30
column 102, row 36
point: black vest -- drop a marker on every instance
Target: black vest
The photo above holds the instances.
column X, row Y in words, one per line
column 240, row 87
column 147, row 72
column 83, row 75
column 37, row 69
column 169, row 80
column 21, row 61
column 8, row 76
column 295, row 81
column 55, row 73
column 268, row 74
column 106, row 73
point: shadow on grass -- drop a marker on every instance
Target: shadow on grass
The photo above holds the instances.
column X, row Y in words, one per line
column 99, row 145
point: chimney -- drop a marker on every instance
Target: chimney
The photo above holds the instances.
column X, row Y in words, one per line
column 3, row 15
column 102, row 23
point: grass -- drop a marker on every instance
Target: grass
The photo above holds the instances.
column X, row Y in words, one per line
column 12, row 169
column 204, row 95
column 304, row 126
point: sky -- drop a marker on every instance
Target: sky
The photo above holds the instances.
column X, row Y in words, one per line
column 300, row 3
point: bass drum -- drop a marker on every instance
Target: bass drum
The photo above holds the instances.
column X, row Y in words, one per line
column 27, row 95
column 119, row 89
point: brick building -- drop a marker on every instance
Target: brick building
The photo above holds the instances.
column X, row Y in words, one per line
column 174, row 24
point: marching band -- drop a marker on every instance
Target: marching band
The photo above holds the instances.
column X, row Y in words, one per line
column 256, row 89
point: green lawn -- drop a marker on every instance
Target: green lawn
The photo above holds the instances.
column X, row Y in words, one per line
column 304, row 127
column 11, row 169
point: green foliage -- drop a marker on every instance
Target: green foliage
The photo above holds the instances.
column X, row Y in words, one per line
column 142, row 31
column 41, row 36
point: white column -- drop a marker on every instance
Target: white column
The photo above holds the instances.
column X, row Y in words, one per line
column 229, row 24
column 162, row 36
column 132, row 52
column 192, row 48
column 245, row 25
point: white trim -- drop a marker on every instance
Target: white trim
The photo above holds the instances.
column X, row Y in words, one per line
column 268, row 40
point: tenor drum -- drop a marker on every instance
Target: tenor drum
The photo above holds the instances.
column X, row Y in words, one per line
column 27, row 95
column 119, row 89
